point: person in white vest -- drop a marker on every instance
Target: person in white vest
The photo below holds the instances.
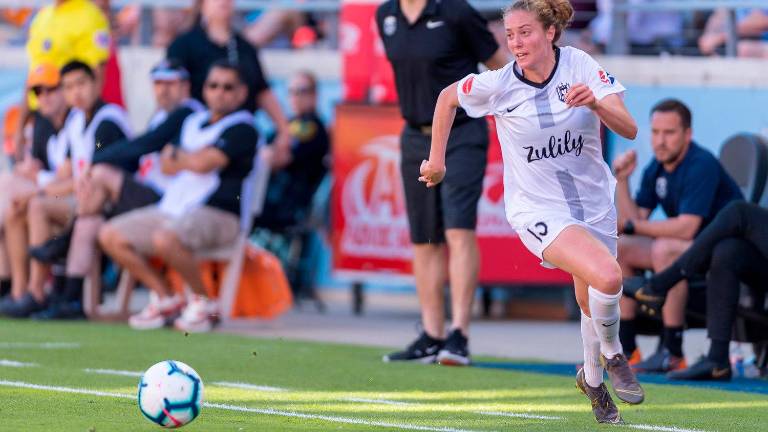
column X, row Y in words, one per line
column 44, row 153
column 120, row 180
column 91, row 126
column 200, row 210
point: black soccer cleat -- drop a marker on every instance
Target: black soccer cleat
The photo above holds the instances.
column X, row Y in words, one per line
column 703, row 370
column 456, row 351
column 422, row 350
column 623, row 380
column 602, row 405
column 639, row 288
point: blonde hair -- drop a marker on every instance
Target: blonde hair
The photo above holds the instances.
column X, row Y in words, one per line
column 558, row 13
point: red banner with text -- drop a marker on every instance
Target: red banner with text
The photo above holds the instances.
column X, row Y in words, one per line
column 370, row 226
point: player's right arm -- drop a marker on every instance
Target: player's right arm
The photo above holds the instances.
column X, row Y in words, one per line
column 473, row 93
column 433, row 170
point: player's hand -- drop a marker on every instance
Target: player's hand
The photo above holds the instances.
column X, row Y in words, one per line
column 624, row 165
column 431, row 174
column 581, row 95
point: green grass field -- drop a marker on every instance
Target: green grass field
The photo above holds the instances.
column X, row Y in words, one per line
column 52, row 378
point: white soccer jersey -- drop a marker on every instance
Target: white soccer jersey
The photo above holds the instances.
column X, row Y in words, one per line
column 553, row 160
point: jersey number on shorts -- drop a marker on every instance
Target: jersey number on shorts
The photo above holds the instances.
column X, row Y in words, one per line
column 541, row 231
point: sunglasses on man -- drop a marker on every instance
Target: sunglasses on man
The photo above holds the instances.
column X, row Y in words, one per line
column 213, row 85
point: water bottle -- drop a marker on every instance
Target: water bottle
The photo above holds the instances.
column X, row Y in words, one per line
column 737, row 361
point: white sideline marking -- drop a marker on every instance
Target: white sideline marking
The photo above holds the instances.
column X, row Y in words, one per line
column 266, row 411
column 518, row 415
column 661, row 428
column 246, row 386
column 378, row 401
column 347, row 420
column 16, row 364
column 113, row 372
column 21, row 384
column 43, row 345
column 269, row 411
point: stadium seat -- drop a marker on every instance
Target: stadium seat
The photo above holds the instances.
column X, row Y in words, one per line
column 745, row 158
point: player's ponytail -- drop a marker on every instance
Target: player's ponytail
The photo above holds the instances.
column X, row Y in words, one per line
column 558, row 13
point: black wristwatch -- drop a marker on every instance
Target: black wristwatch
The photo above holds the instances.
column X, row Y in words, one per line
column 629, row 227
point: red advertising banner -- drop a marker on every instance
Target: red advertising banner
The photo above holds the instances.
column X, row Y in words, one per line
column 370, row 227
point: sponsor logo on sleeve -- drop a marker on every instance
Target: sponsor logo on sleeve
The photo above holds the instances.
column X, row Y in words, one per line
column 605, row 77
column 466, row 87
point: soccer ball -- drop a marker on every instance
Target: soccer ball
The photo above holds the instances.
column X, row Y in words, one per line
column 170, row 394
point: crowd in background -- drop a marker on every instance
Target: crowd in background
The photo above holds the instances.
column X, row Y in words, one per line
column 694, row 32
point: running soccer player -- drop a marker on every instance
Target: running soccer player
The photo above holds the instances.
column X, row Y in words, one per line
column 558, row 191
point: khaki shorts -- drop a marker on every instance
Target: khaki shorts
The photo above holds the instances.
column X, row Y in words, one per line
column 201, row 229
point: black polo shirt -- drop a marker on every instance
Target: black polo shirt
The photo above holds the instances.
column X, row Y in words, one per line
column 42, row 131
column 197, row 52
column 444, row 45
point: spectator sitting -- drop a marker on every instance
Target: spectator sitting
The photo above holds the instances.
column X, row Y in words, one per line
column 751, row 24
column 107, row 190
column 45, row 154
column 212, row 39
column 649, row 32
column 212, row 156
column 290, row 190
column 692, row 187
column 731, row 250
column 90, row 126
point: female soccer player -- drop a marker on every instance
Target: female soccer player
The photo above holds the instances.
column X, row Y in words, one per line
column 548, row 104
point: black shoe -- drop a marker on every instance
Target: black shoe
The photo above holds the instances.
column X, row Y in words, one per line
column 71, row 310
column 455, row 351
column 623, row 380
column 662, row 361
column 24, row 307
column 422, row 350
column 639, row 288
column 53, row 250
column 703, row 370
column 603, row 408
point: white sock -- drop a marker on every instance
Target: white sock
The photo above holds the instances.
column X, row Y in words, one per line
column 604, row 309
column 593, row 371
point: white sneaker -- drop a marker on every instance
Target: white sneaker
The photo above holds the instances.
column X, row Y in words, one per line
column 157, row 314
column 198, row 316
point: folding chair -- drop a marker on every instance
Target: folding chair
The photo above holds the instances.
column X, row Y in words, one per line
column 251, row 205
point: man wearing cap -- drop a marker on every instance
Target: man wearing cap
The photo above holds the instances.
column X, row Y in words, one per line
column 54, row 39
column 109, row 190
column 91, row 126
column 44, row 154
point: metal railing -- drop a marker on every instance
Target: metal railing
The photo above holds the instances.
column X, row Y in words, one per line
column 619, row 44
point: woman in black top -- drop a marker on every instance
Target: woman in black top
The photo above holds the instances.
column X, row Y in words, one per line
column 213, row 38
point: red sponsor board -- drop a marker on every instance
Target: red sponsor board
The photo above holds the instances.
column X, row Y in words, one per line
column 370, row 227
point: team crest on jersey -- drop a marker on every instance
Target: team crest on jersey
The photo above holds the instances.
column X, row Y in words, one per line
column 562, row 90
column 661, row 187
column 390, row 25
column 605, row 77
column 467, row 86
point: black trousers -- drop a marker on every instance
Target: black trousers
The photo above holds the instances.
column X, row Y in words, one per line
column 733, row 249
column 734, row 261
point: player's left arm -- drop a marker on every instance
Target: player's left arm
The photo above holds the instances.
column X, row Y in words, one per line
column 610, row 109
column 683, row 227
